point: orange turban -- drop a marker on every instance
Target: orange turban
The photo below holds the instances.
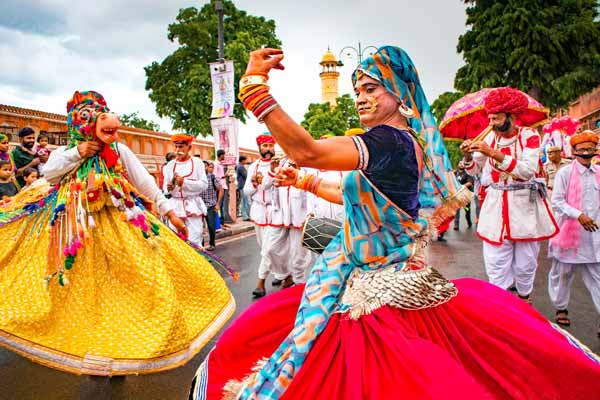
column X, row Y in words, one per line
column 182, row 137
column 582, row 137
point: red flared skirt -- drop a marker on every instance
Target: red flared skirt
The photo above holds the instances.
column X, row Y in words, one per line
column 483, row 344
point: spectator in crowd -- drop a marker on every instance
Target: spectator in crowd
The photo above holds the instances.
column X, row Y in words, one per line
column 42, row 151
column 222, row 179
column 23, row 155
column 468, row 181
column 7, row 185
column 212, row 197
column 168, row 157
column 554, row 163
column 243, row 203
column 30, row 175
column 4, row 154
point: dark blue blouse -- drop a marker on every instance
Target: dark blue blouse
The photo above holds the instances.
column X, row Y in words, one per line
column 393, row 166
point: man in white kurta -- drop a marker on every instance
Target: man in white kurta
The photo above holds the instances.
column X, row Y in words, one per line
column 515, row 216
column 294, row 204
column 260, row 191
column 577, row 247
column 184, row 180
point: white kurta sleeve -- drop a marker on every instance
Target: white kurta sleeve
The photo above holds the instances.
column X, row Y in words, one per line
column 249, row 188
column 559, row 194
column 167, row 175
column 141, row 179
column 60, row 162
column 197, row 183
column 475, row 167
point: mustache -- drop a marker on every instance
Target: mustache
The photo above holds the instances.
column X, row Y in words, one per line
column 585, row 156
column 267, row 152
column 179, row 153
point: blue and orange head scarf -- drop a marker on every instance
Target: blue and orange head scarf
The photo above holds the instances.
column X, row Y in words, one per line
column 393, row 68
column 82, row 111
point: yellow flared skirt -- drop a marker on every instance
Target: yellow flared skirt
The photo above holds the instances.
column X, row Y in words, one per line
column 131, row 305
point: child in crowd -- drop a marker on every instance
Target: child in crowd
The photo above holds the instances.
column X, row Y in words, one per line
column 7, row 185
column 4, row 154
column 30, row 175
column 42, row 151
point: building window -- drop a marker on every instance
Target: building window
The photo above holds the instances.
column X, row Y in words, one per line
column 135, row 146
column 147, row 147
column 159, row 149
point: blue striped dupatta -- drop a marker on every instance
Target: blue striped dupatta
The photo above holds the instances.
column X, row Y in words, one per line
column 376, row 234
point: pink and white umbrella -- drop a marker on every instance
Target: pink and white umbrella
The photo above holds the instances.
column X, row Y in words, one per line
column 466, row 118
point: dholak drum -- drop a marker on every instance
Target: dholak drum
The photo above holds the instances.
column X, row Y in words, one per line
column 318, row 232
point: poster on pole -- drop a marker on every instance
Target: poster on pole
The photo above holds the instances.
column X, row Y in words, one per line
column 223, row 93
column 225, row 132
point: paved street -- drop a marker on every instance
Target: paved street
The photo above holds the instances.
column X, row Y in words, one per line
column 460, row 256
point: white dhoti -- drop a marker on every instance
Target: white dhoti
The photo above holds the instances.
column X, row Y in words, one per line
column 301, row 259
column 263, row 267
column 512, row 263
column 275, row 252
column 560, row 280
column 195, row 227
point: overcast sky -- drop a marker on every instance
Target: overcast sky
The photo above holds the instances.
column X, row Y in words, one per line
column 50, row 48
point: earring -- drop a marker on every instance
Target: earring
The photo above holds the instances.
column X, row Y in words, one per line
column 404, row 110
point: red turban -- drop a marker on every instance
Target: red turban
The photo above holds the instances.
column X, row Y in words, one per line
column 182, row 137
column 585, row 136
column 265, row 138
column 506, row 100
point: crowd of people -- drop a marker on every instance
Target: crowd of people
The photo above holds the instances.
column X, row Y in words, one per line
column 23, row 165
column 366, row 318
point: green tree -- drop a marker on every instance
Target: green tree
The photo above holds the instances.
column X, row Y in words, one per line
column 135, row 121
column 548, row 48
column 180, row 85
column 443, row 103
column 322, row 119
column 439, row 108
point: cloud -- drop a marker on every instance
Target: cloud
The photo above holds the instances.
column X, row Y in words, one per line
column 41, row 17
column 52, row 47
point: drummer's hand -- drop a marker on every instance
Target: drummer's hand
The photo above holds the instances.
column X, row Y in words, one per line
column 263, row 60
column 286, row 176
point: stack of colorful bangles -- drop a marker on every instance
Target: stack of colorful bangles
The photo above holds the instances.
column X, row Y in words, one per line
column 254, row 94
column 308, row 183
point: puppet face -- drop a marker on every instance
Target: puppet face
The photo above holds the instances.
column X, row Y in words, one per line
column 107, row 125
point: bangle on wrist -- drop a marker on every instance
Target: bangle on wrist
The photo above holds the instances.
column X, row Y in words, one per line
column 253, row 79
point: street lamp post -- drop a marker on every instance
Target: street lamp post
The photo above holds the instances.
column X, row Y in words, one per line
column 221, row 45
column 360, row 52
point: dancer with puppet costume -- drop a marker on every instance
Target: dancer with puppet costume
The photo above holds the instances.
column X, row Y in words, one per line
column 374, row 320
column 92, row 282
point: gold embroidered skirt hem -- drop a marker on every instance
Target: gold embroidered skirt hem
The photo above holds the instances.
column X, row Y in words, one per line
column 105, row 366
